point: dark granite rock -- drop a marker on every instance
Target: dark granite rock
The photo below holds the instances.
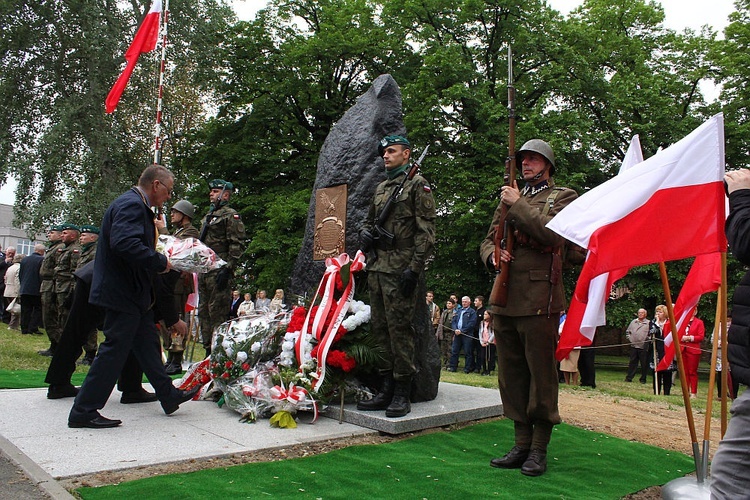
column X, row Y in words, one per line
column 350, row 156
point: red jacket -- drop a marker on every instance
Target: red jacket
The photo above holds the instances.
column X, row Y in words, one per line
column 696, row 329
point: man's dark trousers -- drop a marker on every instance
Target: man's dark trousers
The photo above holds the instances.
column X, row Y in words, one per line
column 31, row 313
column 122, row 332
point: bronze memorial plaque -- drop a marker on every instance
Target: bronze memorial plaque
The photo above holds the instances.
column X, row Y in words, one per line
column 330, row 222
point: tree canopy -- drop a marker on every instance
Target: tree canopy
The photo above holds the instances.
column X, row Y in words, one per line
column 253, row 101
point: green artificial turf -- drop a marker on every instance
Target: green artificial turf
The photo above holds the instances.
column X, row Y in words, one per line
column 443, row 464
column 28, row 379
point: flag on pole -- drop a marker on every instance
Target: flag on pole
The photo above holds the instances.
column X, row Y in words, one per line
column 144, row 41
column 704, row 277
column 614, row 221
column 587, row 316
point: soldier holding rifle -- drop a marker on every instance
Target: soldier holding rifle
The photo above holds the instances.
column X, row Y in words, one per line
column 399, row 233
column 526, row 325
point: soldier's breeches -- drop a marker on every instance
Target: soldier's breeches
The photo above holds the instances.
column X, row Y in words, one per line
column 527, row 370
column 213, row 308
column 391, row 323
column 50, row 316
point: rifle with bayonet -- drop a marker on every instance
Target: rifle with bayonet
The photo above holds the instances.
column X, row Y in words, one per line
column 504, row 237
column 380, row 235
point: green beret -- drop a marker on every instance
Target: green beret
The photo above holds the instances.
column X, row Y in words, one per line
column 68, row 225
column 390, row 140
column 87, row 228
column 220, row 184
column 56, row 227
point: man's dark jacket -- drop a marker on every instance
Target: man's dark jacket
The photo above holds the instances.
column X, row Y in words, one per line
column 126, row 260
column 738, row 234
column 28, row 274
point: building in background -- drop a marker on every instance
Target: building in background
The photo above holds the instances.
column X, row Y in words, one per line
column 14, row 237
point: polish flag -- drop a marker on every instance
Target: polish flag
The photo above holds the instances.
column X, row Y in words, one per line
column 704, row 277
column 682, row 185
column 587, row 316
column 144, row 41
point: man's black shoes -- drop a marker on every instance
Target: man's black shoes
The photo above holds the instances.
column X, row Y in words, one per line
column 62, row 391
column 536, row 464
column 96, row 423
column 142, row 396
column 170, row 406
column 514, row 459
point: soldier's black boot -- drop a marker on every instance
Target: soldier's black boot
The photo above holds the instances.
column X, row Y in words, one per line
column 400, row 404
column 175, row 365
column 382, row 399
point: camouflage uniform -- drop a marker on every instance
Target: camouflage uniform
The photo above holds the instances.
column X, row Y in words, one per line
column 225, row 236
column 88, row 252
column 47, row 289
column 412, row 222
column 68, row 256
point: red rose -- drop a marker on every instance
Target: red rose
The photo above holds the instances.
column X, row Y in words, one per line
column 225, row 375
column 245, row 366
column 341, row 360
column 297, row 320
column 228, row 364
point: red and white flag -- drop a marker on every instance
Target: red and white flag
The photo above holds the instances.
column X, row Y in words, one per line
column 680, row 189
column 704, row 277
column 144, row 41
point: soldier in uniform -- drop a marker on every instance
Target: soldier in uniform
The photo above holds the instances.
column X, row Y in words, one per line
column 67, row 261
column 49, row 300
column 222, row 230
column 394, row 273
column 526, row 328
column 182, row 215
column 88, row 240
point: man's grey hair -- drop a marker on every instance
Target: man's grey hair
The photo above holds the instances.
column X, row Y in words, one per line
column 39, row 248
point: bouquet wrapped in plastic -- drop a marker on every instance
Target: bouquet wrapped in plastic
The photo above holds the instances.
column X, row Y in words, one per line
column 189, row 255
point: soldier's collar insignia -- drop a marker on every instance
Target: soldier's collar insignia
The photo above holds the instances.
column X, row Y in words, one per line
column 529, row 190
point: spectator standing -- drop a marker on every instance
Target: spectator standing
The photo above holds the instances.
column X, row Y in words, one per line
column 5, row 263
column 477, row 347
column 262, row 303
column 434, row 311
column 445, row 331
column 526, row 327
column 662, row 379
column 729, row 477
column 487, row 351
column 277, row 302
column 690, row 345
column 246, row 307
column 12, row 290
column 31, row 299
column 222, row 230
column 637, row 335
column 464, row 326
column 234, row 304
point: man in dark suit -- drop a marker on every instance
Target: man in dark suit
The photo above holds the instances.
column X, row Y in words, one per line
column 31, row 297
column 125, row 268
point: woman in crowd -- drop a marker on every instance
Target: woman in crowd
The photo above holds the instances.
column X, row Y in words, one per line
column 487, row 351
column 662, row 379
column 13, row 290
column 246, row 307
column 691, row 350
column 277, row 302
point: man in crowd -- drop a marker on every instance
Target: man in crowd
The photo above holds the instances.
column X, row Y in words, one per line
column 476, row 349
column 262, row 303
column 124, row 272
column 637, row 333
column 31, row 300
column 394, row 274
column 464, row 326
column 49, row 298
column 433, row 309
column 526, row 326
column 10, row 252
column 222, row 230
column 89, row 237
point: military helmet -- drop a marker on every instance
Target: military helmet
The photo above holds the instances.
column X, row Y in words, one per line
column 185, row 208
column 541, row 147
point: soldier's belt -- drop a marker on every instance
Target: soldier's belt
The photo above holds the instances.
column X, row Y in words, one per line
column 398, row 244
column 536, row 246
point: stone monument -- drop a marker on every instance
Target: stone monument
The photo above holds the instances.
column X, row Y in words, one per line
column 350, row 157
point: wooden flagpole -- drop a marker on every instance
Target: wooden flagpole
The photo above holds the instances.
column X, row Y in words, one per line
column 681, row 369
column 160, row 92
